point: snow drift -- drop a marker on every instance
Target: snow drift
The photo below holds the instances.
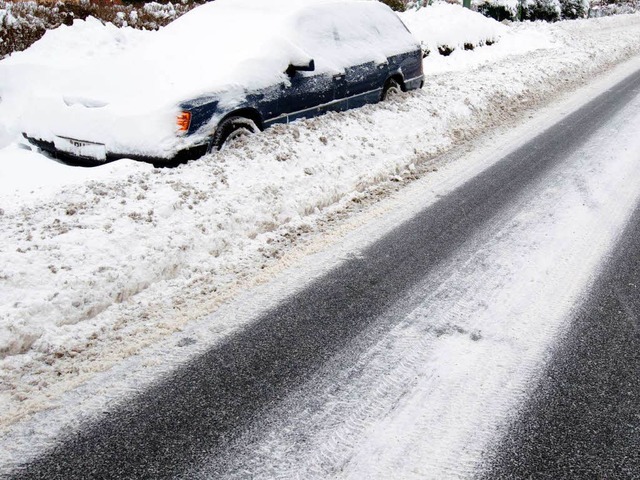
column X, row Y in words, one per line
column 446, row 26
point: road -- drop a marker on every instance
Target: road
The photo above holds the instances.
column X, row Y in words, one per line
column 583, row 420
column 349, row 377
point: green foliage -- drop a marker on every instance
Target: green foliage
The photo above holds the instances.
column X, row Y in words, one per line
column 497, row 12
column 545, row 10
column 573, row 8
column 396, row 5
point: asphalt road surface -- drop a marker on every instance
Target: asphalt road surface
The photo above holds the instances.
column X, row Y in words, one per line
column 198, row 412
column 584, row 419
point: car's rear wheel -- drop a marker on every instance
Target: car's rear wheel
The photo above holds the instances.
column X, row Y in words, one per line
column 391, row 89
column 230, row 130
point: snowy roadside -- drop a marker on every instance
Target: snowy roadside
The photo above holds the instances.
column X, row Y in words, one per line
column 97, row 264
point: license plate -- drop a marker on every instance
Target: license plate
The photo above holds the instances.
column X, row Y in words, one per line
column 81, row 148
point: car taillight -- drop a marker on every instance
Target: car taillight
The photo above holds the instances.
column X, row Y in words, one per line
column 183, row 121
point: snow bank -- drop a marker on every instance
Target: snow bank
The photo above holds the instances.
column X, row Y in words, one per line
column 24, row 22
column 66, row 47
column 445, row 25
column 96, row 264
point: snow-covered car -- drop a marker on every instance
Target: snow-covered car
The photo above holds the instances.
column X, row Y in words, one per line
column 225, row 68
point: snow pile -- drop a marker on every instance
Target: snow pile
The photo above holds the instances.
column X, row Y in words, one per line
column 267, row 37
column 96, row 264
column 24, row 22
column 450, row 34
column 69, row 46
column 445, row 26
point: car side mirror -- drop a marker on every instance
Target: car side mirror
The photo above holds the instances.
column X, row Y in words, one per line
column 300, row 67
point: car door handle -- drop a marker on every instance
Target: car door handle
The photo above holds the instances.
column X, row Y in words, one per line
column 340, row 76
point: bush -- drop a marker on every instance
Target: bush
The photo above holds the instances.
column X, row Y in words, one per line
column 553, row 10
column 16, row 33
column 396, row 5
column 547, row 10
column 497, row 12
column 573, row 8
column 601, row 8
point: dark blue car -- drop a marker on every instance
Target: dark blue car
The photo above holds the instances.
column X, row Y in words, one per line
column 322, row 55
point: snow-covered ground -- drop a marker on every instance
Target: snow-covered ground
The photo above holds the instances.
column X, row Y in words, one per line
column 448, row 25
column 97, row 264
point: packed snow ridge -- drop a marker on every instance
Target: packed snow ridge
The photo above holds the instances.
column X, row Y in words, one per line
column 96, row 264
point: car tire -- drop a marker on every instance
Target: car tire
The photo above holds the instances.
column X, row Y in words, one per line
column 391, row 89
column 231, row 129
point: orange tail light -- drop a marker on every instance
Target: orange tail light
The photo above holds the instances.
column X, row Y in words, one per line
column 183, row 121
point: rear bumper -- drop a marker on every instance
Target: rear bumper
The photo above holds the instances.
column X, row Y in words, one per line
column 181, row 157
